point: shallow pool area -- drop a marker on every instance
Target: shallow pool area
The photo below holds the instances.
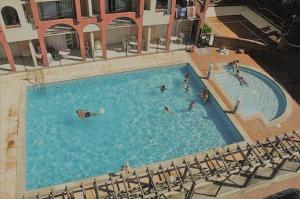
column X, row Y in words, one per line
column 261, row 95
column 60, row 147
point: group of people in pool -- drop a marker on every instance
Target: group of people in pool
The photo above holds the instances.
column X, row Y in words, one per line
column 204, row 94
column 236, row 72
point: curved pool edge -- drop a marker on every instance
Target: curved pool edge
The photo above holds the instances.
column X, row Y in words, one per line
column 221, row 103
column 287, row 111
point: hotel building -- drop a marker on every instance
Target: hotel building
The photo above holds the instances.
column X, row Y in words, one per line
column 54, row 32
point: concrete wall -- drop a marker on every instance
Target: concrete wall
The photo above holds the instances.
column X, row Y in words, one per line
column 116, row 34
column 155, row 18
column 158, row 31
column 57, row 41
column 26, row 31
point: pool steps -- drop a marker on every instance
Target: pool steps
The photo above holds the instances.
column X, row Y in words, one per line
column 268, row 156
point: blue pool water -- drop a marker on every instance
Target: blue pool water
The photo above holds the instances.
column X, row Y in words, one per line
column 261, row 96
column 60, row 147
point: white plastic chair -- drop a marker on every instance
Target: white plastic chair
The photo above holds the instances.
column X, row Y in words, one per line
column 180, row 37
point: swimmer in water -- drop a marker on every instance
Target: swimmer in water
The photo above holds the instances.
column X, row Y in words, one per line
column 192, row 105
column 204, row 95
column 187, row 77
column 186, row 89
column 167, row 110
column 163, row 88
column 83, row 114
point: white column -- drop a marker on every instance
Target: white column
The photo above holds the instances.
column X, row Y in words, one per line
column 147, row 36
column 152, row 5
column 90, row 8
column 32, row 50
column 92, row 44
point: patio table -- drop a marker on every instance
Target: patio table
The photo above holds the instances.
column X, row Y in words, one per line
column 173, row 38
column 133, row 44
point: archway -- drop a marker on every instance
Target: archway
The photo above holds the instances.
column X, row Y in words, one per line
column 10, row 17
column 122, row 37
column 59, row 45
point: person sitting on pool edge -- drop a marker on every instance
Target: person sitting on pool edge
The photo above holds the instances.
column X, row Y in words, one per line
column 235, row 65
column 162, row 88
column 83, row 114
column 204, row 95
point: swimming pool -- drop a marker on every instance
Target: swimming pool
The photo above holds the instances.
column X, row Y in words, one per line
column 61, row 148
column 262, row 95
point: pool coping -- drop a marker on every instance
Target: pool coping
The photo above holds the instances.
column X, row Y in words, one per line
column 283, row 117
column 20, row 185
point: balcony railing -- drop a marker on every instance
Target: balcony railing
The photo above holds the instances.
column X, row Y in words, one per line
column 188, row 12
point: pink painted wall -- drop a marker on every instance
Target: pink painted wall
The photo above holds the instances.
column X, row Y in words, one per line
column 7, row 50
column 79, row 23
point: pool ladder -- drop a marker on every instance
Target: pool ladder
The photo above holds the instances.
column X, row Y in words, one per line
column 36, row 77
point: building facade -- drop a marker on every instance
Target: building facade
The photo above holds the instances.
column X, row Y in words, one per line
column 42, row 29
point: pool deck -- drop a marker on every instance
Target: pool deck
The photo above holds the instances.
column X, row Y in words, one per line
column 13, row 99
column 255, row 127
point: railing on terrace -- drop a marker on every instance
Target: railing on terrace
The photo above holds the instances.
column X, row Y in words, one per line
column 244, row 160
column 275, row 14
column 278, row 13
column 188, row 12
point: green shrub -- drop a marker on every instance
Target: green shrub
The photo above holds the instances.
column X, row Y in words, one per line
column 206, row 29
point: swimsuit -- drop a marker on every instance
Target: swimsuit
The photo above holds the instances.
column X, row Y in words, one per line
column 87, row 114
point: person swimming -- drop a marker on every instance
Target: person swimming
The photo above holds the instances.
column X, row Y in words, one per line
column 187, row 77
column 240, row 78
column 186, row 89
column 167, row 110
column 204, row 95
column 162, row 88
column 192, row 105
column 83, row 114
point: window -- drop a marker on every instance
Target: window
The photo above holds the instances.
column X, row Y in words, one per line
column 95, row 6
column 10, row 16
column 113, row 6
column 57, row 9
column 161, row 4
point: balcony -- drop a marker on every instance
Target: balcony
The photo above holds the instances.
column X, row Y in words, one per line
column 57, row 10
column 118, row 6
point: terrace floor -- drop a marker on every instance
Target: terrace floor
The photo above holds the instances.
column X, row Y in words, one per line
column 237, row 26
